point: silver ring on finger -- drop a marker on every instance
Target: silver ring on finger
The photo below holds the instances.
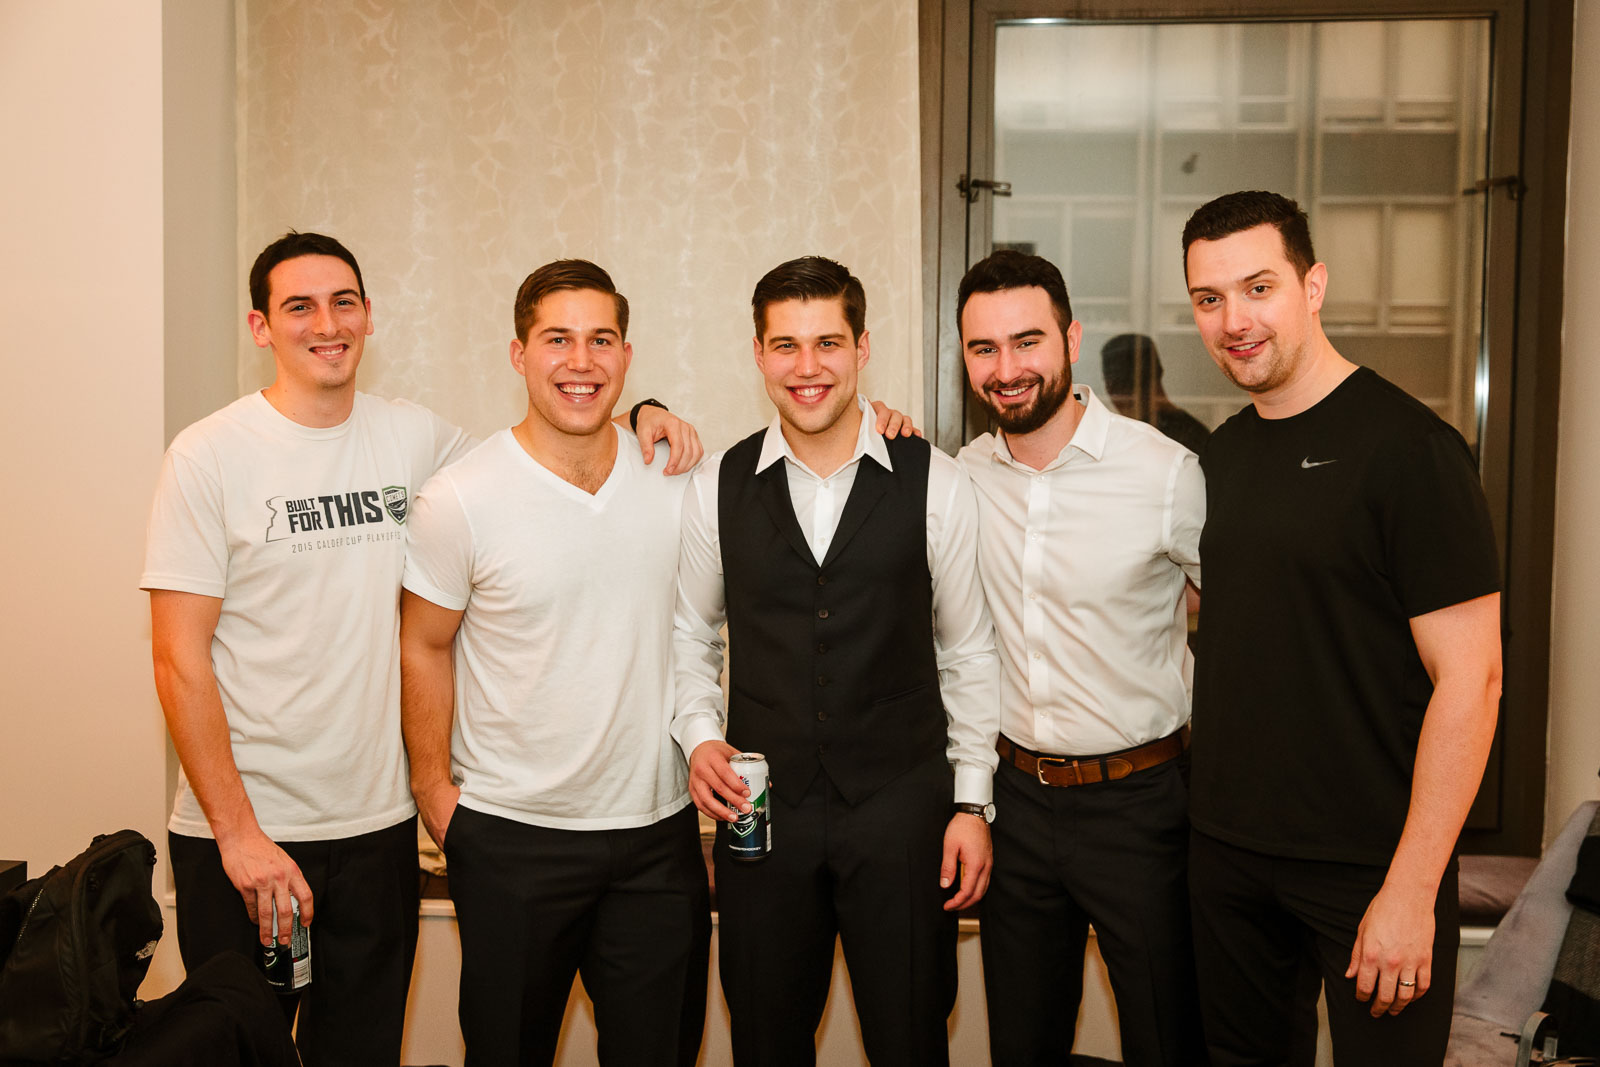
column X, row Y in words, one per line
column 1405, row 984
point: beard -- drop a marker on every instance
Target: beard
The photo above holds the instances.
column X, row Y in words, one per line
column 1052, row 393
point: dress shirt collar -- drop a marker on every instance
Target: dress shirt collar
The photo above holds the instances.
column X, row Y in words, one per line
column 869, row 443
column 1089, row 438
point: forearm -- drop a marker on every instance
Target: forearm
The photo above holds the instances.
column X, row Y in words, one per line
column 1451, row 751
column 427, row 712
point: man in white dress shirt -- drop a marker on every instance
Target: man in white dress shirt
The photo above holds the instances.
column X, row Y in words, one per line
column 845, row 566
column 1090, row 525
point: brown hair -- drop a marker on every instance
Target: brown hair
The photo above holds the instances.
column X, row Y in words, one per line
column 810, row 278
column 564, row 274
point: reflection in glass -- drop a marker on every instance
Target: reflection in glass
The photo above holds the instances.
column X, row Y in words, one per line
column 1112, row 135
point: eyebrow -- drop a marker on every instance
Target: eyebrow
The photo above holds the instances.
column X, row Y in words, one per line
column 1265, row 272
column 286, row 301
column 835, row 336
column 564, row 330
column 978, row 342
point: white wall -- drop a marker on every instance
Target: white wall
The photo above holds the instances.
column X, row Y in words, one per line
column 1575, row 630
column 81, row 297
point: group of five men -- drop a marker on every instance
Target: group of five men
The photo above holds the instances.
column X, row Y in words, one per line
column 970, row 679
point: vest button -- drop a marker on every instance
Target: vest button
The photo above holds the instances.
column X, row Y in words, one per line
column 822, row 679
column 822, row 750
column 822, row 716
column 822, row 579
column 822, row 613
column 822, row 646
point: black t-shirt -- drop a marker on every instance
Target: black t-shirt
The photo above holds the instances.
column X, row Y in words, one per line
column 1325, row 533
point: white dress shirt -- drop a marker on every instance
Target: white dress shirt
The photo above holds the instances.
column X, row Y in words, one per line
column 962, row 633
column 1084, row 564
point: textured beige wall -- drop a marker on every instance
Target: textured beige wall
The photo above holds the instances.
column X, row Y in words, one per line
column 687, row 146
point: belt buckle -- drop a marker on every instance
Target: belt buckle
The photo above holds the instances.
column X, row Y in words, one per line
column 1072, row 764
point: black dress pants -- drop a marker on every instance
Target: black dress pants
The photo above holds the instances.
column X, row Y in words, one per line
column 363, row 936
column 627, row 909
column 1261, row 920
column 868, row 875
column 1113, row 854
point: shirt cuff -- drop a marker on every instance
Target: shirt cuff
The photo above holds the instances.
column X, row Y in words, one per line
column 974, row 784
column 696, row 728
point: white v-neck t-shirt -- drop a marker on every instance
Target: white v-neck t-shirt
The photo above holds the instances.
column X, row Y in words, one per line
column 563, row 662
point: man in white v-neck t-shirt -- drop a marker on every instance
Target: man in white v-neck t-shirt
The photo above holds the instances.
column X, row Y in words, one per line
column 536, row 692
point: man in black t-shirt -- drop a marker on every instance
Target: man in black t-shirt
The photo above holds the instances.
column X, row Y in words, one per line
column 1348, row 674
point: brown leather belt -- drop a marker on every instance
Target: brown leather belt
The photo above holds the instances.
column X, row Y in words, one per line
column 1087, row 770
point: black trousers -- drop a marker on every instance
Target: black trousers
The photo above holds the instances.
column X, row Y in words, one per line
column 629, row 910
column 868, row 875
column 363, row 936
column 1262, row 921
column 1113, row 854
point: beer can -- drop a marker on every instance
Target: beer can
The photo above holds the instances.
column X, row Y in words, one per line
column 288, row 967
column 750, row 837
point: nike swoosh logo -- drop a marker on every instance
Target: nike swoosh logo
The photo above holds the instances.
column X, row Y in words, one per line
column 1306, row 463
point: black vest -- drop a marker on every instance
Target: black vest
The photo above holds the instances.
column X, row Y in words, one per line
column 832, row 665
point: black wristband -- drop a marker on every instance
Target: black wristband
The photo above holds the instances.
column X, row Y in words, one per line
column 648, row 402
column 982, row 811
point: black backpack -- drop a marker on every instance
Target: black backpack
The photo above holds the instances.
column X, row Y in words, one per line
column 74, row 945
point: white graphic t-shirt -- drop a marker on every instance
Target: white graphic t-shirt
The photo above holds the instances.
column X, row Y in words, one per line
column 301, row 532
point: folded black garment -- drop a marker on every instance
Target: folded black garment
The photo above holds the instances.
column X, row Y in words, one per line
column 1584, row 892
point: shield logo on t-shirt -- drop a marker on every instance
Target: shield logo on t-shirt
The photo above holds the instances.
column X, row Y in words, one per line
column 394, row 499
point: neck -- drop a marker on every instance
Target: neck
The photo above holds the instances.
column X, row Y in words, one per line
column 584, row 460
column 827, row 451
column 316, row 408
column 1039, row 448
column 1322, row 374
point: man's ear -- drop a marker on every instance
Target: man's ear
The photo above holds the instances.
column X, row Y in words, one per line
column 1316, row 285
column 863, row 349
column 260, row 332
column 1074, row 340
column 518, row 362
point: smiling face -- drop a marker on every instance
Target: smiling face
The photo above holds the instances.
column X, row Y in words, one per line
column 574, row 361
column 316, row 324
column 1257, row 316
column 810, row 360
column 1018, row 360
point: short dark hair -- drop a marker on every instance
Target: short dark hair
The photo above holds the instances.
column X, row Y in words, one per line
column 1237, row 212
column 810, row 278
column 1010, row 269
column 1127, row 359
column 293, row 245
column 559, row 275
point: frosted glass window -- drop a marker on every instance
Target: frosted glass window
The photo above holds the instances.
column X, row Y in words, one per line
column 1350, row 241
column 1429, row 68
column 1264, row 55
column 1186, row 61
column 1111, row 136
column 1422, row 263
column 1102, row 260
column 1079, row 69
column 1350, row 71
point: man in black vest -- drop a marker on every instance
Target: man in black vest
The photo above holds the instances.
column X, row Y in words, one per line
column 865, row 672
